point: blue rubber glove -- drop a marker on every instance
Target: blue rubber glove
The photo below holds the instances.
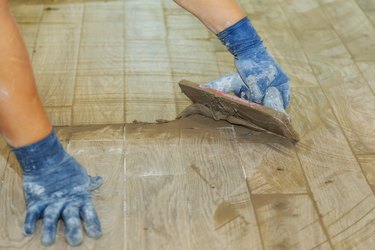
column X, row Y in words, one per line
column 57, row 186
column 233, row 83
column 265, row 81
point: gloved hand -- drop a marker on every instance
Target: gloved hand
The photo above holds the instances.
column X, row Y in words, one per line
column 233, row 83
column 264, row 80
column 57, row 186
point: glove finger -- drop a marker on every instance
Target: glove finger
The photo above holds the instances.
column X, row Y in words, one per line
column 90, row 219
column 50, row 219
column 255, row 93
column 284, row 90
column 95, row 182
column 32, row 215
column 72, row 221
column 274, row 100
column 228, row 83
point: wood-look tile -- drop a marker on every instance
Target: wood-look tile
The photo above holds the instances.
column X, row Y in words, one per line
column 353, row 27
column 218, row 46
column 4, row 153
column 64, row 35
column 347, row 91
column 102, row 33
column 149, row 225
column 339, row 188
column 147, row 111
column 144, row 21
column 185, row 27
column 267, row 15
column 146, row 57
column 366, row 4
column 56, row 89
column 63, row 13
column 12, row 207
column 368, row 7
column 145, row 29
column 169, row 5
column 106, row 12
column 99, row 88
column 60, row 116
column 371, row 16
column 51, row 59
column 149, row 98
column 107, row 160
column 367, row 163
column 107, row 133
column 147, row 86
column 101, row 60
column 195, row 57
column 27, row 12
column 271, row 164
column 29, row 33
column 225, row 63
column 286, row 49
column 305, row 15
column 151, row 150
column 150, row 184
column 289, row 222
column 108, row 112
column 220, row 207
column 368, row 71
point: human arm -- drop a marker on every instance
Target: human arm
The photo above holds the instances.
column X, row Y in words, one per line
column 56, row 186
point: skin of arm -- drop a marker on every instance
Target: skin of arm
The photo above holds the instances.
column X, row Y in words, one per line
column 55, row 185
column 23, row 119
column 217, row 15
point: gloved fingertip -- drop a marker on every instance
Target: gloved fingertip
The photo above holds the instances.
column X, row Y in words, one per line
column 28, row 230
column 227, row 83
column 274, row 100
column 47, row 239
column 95, row 182
column 73, row 229
column 286, row 98
column 74, row 242
column 30, row 222
column 74, row 238
column 94, row 233
column 91, row 221
column 93, row 226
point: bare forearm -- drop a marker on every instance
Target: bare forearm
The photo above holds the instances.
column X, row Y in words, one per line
column 217, row 15
column 22, row 117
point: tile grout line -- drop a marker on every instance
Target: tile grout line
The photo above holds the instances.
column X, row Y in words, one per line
column 124, row 43
column 188, row 205
column 37, row 33
column 166, row 39
column 77, row 65
column 125, row 188
column 249, row 190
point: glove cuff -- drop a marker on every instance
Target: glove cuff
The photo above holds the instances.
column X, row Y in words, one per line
column 41, row 154
column 240, row 37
